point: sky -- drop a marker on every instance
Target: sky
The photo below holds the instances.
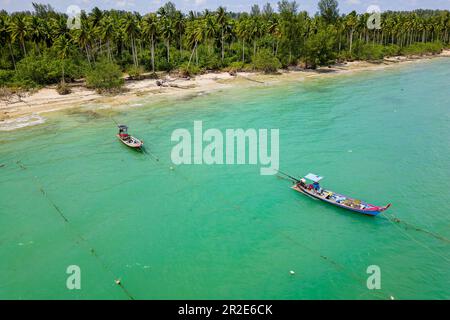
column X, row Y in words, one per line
column 144, row 6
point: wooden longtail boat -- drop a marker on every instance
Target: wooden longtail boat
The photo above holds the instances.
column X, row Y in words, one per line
column 127, row 139
column 339, row 200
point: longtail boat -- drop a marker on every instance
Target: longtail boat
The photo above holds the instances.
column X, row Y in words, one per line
column 315, row 191
column 127, row 139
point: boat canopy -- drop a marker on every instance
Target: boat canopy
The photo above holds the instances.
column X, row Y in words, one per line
column 313, row 177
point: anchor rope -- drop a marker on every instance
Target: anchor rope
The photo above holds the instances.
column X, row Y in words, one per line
column 408, row 226
column 73, row 231
column 417, row 241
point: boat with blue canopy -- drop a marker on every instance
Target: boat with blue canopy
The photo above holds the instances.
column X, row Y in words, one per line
column 314, row 190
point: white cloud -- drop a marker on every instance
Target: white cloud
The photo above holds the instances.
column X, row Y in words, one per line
column 353, row 1
column 195, row 2
column 124, row 3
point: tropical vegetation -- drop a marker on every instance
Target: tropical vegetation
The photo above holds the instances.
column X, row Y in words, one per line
column 38, row 48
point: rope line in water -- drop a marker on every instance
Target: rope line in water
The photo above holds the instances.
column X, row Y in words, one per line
column 417, row 241
column 335, row 264
column 77, row 235
column 409, row 226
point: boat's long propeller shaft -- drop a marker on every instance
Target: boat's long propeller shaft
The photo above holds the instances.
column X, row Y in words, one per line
column 289, row 176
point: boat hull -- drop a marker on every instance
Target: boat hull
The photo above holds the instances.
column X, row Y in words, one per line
column 372, row 211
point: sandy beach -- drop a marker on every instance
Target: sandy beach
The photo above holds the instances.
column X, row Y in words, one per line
column 29, row 110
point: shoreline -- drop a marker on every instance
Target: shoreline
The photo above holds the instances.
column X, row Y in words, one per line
column 29, row 110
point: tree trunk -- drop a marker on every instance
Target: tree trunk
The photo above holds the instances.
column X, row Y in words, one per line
column 168, row 50
column 23, row 47
column 193, row 50
column 87, row 54
column 12, row 55
column 222, row 45
column 243, row 51
column 153, row 54
column 351, row 40
column 63, row 81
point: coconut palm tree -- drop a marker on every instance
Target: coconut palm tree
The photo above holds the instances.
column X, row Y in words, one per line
column 150, row 31
column 5, row 36
column 167, row 32
column 195, row 35
column 210, row 29
column 243, row 34
column 179, row 25
column 106, row 30
column 351, row 22
column 222, row 21
column 131, row 29
column 19, row 30
column 64, row 46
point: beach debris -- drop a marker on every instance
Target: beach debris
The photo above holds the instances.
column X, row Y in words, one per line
column 117, row 281
column 392, row 297
column 292, row 272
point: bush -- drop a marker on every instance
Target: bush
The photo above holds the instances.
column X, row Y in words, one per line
column 186, row 71
column 391, row 50
column 40, row 70
column 105, row 77
column 372, row 52
column 208, row 60
column 423, row 48
column 136, row 72
column 235, row 66
column 319, row 48
column 265, row 61
column 63, row 88
column 6, row 77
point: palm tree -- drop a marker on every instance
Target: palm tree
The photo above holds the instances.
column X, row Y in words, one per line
column 36, row 31
column 243, row 32
column 222, row 21
column 64, row 46
column 273, row 28
column 5, row 36
column 106, row 30
column 83, row 37
column 351, row 21
column 195, row 33
column 131, row 28
column 179, row 25
column 19, row 29
column 150, row 30
column 210, row 29
column 167, row 32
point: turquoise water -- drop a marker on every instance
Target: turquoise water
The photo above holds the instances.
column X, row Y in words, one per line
column 214, row 232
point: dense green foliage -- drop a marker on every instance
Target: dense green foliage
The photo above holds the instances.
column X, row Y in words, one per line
column 265, row 61
column 105, row 77
column 37, row 48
